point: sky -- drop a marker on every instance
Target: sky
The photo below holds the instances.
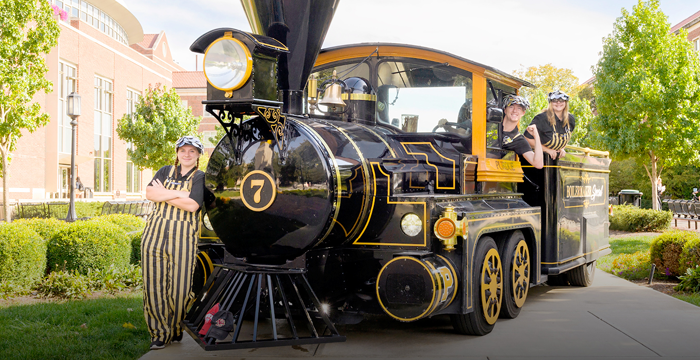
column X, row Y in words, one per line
column 507, row 34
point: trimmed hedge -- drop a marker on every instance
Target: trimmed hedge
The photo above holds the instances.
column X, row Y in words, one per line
column 666, row 250
column 127, row 222
column 136, row 247
column 634, row 219
column 22, row 257
column 690, row 255
column 46, row 228
column 85, row 245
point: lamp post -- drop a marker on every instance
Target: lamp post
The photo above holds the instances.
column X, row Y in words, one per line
column 73, row 110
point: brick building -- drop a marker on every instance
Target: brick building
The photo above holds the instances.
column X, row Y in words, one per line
column 192, row 88
column 692, row 25
column 103, row 55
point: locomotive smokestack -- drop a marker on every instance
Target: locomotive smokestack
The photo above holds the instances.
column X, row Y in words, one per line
column 302, row 26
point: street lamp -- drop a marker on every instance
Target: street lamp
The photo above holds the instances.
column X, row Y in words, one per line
column 73, row 110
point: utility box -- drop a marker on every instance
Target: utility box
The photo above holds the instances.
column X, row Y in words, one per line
column 631, row 197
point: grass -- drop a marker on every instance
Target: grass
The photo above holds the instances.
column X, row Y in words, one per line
column 691, row 298
column 53, row 330
column 626, row 245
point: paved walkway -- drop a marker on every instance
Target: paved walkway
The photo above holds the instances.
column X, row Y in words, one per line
column 613, row 319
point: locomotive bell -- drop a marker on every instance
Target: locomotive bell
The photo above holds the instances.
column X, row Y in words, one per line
column 332, row 97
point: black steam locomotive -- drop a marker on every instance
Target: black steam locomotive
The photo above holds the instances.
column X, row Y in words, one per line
column 370, row 179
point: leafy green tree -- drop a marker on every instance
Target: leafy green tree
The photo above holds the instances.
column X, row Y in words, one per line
column 158, row 122
column 549, row 78
column 647, row 91
column 28, row 31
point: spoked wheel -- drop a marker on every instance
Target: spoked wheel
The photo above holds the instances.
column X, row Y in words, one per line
column 516, row 267
column 487, row 285
column 583, row 275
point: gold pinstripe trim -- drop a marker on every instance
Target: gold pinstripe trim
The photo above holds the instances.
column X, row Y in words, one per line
column 337, row 177
column 576, row 257
column 364, row 180
column 380, row 138
column 432, row 278
column 388, row 201
column 437, row 174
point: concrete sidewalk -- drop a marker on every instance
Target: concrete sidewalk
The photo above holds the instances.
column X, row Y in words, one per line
column 613, row 319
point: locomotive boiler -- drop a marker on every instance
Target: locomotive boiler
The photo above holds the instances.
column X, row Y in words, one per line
column 370, row 178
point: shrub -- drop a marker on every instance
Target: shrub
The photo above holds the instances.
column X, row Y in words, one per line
column 666, row 250
column 46, row 228
column 65, row 284
column 115, row 279
column 85, row 245
column 690, row 256
column 690, row 282
column 127, row 222
column 634, row 219
column 136, row 247
column 632, row 266
column 22, row 257
column 85, row 209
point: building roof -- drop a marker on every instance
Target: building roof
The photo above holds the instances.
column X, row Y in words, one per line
column 118, row 11
column 149, row 40
column 189, row 79
column 687, row 22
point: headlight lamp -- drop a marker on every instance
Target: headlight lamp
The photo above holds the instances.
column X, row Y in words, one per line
column 227, row 64
column 411, row 224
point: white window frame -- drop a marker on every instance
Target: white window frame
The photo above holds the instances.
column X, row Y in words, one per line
column 103, row 108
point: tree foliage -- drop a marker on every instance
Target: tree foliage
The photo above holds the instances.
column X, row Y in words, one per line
column 647, row 89
column 158, row 122
column 28, row 31
column 549, row 78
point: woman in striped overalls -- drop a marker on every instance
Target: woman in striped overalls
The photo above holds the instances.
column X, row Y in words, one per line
column 169, row 242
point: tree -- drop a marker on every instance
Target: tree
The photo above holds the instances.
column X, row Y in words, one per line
column 28, row 31
column 158, row 122
column 647, row 91
column 549, row 78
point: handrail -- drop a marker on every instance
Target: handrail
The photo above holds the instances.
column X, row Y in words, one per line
column 588, row 151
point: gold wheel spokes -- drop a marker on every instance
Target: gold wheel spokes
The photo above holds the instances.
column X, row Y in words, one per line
column 521, row 273
column 491, row 286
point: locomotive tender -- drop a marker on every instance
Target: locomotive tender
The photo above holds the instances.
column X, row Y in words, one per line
column 383, row 190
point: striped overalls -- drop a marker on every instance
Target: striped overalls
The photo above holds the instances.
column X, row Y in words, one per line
column 168, row 251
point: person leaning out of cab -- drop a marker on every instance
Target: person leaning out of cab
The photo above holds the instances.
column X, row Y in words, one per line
column 514, row 108
column 554, row 125
column 169, row 242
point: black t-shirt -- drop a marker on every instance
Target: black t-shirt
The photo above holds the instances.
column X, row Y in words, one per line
column 514, row 140
column 555, row 139
column 197, row 190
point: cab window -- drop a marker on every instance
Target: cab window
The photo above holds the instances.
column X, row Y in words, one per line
column 417, row 96
column 495, row 92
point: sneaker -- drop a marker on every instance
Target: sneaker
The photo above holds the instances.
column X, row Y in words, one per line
column 157, row 345
column 177, row 338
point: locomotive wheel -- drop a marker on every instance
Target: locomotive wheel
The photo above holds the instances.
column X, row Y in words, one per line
column 583, row 275
column 516, row 267
column 487, row 290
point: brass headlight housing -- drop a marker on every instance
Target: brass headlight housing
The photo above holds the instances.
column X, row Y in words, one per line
column 227, row 64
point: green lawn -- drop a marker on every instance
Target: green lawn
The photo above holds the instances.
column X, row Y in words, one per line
column 626, row 245
column 53, row 330
column 692, row 298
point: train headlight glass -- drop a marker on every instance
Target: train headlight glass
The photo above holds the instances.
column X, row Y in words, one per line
column 227, row 64
column 411, row 224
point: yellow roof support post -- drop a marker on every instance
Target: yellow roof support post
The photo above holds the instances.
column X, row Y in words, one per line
column 479, row 115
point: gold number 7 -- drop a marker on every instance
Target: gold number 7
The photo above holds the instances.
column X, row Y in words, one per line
column 260, row 184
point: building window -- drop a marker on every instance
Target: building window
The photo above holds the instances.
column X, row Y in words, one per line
column 209, row 139
column 133, row 175
column 67, row 78
column 103, row 135
column 94, row 17
column 696, row 45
